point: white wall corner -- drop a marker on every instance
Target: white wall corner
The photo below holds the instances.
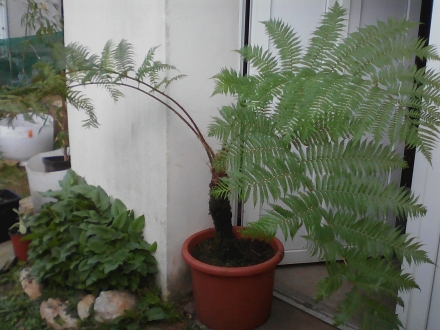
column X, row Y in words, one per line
column 141, row 153
column 200, row 38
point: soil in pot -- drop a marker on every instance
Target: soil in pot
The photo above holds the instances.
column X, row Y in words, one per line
column 56, row 163
column 244, row 252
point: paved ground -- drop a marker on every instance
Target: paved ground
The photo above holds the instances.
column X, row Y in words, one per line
column 287, row 317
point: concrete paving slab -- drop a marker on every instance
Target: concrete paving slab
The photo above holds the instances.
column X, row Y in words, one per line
column 287, row 317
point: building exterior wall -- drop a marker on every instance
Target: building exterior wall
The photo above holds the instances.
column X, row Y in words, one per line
column 201, row 37
column 142, row 153
column 422, row 306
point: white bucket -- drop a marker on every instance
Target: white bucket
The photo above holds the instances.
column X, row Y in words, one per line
column 22, row 139
column 40, row 181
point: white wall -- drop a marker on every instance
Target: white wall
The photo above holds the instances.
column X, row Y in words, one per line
column 3, row 21
column 200, row 38
column 422, row 306
column 142, row 153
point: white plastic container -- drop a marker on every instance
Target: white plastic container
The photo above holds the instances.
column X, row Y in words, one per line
column 22, row 139
column 40, row 181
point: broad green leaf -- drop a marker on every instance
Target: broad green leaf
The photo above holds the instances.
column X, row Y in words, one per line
column 105, row 233
column 156, row 313
column 119, row 221
column 84, row 265
column 118, row 207
column 111, row 265
column 132, row 326
column 97, row 246
column 137, row 225
column 75, row 231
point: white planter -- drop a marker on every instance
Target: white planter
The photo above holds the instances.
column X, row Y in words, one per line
column 22, row 139
column 40, row 181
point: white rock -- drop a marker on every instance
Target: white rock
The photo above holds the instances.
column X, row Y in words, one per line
column 111, row 304
column 29, row 284
column 54, row 312
column 84, row 306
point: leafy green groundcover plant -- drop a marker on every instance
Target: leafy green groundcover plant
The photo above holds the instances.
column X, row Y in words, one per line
column 85, row 241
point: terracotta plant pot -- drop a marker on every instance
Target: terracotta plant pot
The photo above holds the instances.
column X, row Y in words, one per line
column 20, row 247
column 237, row 298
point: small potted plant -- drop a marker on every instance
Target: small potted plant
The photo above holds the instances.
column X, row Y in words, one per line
column 17, row 232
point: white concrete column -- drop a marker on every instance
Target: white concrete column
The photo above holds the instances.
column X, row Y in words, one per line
column 141, row 153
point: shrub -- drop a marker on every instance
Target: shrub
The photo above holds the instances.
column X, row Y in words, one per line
column 85, row 241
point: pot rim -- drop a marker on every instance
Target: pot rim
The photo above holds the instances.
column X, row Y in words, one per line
column 196, row 238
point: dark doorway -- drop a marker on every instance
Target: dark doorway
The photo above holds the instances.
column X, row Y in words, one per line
column 410, row 153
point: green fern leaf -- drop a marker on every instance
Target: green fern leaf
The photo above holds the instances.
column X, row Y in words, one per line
column 286, row 42
column 123, row 55
column 325, row 38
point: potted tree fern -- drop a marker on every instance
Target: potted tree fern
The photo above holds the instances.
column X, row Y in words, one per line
column 307, row 129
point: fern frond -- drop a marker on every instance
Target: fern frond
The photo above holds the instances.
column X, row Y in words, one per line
column 378, row 315
column 325, row 38
column 225, row 82
column 366, row 194
column 374, row 238
column 359, row 158
column 301, row 209
column 146, row 65
column 232, row 119
column 107, row 57
column 362, row 42
column 123, row 56
column 274, row 179
column 262, row 61
column 331, row 119
column 166, row 81
column 371, row 278
column 286, row 42
column 78, row 100
column 349, row 308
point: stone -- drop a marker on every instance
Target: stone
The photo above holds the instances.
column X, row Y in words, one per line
column 29, row 284
column 189, row 309
column 54, row 312
column 111, row 304
column 84, row 306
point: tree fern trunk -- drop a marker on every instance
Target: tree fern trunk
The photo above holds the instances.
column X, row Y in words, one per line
column 220, row 210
